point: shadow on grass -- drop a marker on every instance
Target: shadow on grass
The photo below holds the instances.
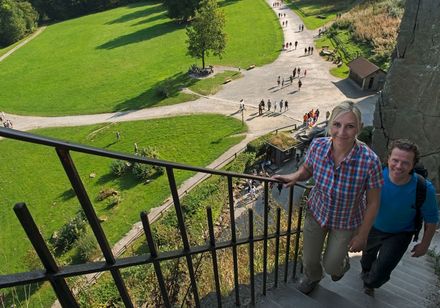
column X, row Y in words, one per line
column 137, row 14
column 141, row 35
column 68, row 194
column 227, row 2
column 151, row 19
column 167, row 88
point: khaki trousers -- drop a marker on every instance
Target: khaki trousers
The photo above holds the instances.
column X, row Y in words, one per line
column 335, row 258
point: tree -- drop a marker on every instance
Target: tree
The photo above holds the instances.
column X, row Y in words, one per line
column 16, row 20
column 181, row 9
column 206, row 33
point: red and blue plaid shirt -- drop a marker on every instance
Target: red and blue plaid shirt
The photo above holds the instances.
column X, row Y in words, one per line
column 338, row 199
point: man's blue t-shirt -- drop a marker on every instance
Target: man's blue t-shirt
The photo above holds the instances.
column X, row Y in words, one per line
column 398, row 206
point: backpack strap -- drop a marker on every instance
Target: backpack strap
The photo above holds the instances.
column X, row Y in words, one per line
column 420, row 199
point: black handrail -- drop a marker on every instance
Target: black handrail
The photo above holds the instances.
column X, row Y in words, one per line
column 56, row 275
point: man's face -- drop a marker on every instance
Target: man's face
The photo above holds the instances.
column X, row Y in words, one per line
column 400, row 164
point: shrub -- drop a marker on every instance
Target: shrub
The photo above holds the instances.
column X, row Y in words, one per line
column 17, row 18
column 63, row 239
column 145, row 172
column 87, row 246
column 258, row 146
column 119, row 167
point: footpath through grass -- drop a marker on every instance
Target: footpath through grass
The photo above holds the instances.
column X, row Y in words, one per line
column 118, row 59
column 36, row 176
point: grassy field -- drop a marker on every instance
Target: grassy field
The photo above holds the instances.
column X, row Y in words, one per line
column 37, row 177
column 116, row 60
column 317, row 13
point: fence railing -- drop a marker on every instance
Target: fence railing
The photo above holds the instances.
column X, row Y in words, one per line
column 56, row 275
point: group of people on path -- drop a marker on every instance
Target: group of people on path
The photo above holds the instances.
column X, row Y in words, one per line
column 311, row 118
column 5, row 122
column 358, row 205
column 272, row 105
column 289, row 45
column 295, row 73
column 308, row 50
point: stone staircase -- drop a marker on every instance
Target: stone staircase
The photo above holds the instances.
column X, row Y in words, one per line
column 413, row 284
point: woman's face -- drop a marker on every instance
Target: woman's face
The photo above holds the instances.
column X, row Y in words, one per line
column 344, row 129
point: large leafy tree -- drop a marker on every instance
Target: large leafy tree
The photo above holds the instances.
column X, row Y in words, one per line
column 206, row 34
column 17, row 18
column 181, row 9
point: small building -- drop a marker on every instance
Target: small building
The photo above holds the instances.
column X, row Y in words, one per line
column 366, row 74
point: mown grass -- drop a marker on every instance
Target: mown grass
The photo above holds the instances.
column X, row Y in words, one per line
column 209, row 86
column 36, row 176
column 115, row 60
column 317, row 13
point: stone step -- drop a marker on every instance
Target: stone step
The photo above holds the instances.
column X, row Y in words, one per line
column 330, row 299
column 286, row 296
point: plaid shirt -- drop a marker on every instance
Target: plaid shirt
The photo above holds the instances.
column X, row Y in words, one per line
column 338, row 199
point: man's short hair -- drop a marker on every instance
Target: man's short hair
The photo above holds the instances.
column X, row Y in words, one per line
column 405, row 145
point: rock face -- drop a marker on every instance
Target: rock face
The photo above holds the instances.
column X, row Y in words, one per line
column 409, row 105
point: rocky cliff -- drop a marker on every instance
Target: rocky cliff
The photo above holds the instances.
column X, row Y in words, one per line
column 409, row 105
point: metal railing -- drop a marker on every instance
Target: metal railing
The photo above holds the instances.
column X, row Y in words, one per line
column 57, row 275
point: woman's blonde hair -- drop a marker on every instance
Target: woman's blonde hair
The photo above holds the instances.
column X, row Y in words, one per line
column 344, row 107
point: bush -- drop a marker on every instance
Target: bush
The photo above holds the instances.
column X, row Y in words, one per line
column 87, row 246
column 119, row 167
column 258, row 146
column 63, row 239
column 16, row 20
column 145, row 172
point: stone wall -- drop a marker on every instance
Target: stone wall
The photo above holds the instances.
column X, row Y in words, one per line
column 409, row 105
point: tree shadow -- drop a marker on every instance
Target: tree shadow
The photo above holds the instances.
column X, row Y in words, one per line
column 104, row 179
column 137, row 14
column 227, row 2
column 151, row 19
column 167, row 88
column 68, row 194
column 141, row 35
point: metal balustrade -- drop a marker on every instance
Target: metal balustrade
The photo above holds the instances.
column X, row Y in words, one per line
column 57, row 275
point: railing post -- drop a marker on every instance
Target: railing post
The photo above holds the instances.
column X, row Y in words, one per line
column 251, row 255
column 153, row 253
column 289, row 230
column 59, row 285
column 277, row 245
column 78, row 187
column 298, row 234
column 183, row 234
column 265, row 232
column 233, row 240
column 214, row 256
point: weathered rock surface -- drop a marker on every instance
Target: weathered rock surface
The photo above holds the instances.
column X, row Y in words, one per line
column 409, row 105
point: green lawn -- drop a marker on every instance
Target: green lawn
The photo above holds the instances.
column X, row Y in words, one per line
column 317, row 13
column 209, row 86
column 115, row 60
column 36, row 176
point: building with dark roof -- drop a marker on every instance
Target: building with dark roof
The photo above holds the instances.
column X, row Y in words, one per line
column 366, row 74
